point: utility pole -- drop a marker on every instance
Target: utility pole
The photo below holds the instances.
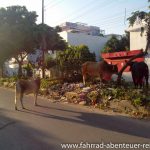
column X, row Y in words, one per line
column 43, row 47
column 42, row 11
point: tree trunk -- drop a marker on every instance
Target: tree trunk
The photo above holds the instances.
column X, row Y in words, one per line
column 131, row 59
column 2, row 70
column 43, row 63
column 43, row 55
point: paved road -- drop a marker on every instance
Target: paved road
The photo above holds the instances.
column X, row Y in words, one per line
column 48, row 125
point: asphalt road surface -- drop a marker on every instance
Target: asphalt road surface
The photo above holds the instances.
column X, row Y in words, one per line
column 49, row 125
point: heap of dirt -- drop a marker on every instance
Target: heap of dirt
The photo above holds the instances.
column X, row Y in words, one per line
column 108, row 97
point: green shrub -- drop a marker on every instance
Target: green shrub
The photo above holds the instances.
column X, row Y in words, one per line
column 46, row 83
column 137, row 101
column 3, row 79
column 12, row 79
column 93, row 96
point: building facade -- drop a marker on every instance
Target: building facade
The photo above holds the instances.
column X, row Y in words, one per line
column 81, row 28
column 94, row 43
column 138, row 40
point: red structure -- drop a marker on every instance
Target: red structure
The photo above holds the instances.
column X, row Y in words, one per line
column 120, row 58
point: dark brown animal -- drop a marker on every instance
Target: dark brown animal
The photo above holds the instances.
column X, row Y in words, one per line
column 98, row 69
column 139, row 71
column 26, row 87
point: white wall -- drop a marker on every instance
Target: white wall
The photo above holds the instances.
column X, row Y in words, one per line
column 137, row 41
column 95, row 43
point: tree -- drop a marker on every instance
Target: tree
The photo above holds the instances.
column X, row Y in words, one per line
column 52, row 40
column 47, row 38
column 124, row 42
column 50, row 62
column 140, row 14
column 116, row 45
column 20, row 35
column 147, row 28
column 58, row 29
column 73, row 57
column 16, row 33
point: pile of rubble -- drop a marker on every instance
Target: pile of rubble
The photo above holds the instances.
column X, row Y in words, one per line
column 106, row 97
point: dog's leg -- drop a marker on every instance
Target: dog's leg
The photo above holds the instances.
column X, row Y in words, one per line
column 35, row 101
column 21, row 99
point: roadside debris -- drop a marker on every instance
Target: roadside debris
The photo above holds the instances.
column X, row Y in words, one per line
column 107, row 97
column 103, row 96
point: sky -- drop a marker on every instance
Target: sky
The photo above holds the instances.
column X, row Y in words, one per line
column 108, row 15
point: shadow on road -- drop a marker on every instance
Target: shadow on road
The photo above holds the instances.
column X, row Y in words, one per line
column 68, row 114
column 119, row 124
column 17, row 135
column 48, row 107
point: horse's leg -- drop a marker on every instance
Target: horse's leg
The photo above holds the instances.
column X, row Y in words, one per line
column 146, row 78
column 84, row 78
column 141, row 82
column 101, row 78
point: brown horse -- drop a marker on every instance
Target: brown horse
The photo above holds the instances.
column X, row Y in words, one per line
column 98, row 69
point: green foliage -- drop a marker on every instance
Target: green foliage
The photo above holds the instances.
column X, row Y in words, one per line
column 48, row 38
column 12, row 79
column 45, row 83
column 20, row 34
column 116, row 45
column 137, row 101
column 8, row 82
column 93, row 96
column 140, row 14
column 135, row 96
column 50, row 62
column 73, row 57
column 16, row 32
column 58, row 29
column 16, row 27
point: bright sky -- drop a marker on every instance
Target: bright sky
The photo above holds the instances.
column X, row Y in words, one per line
column 109, row 15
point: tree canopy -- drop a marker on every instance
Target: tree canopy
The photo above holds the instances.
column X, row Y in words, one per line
column 16, row 32
column 20, row 35
column 16, row 29
column 140, row 14
column 73, row 57
column 52, row 40
column 116, row 45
